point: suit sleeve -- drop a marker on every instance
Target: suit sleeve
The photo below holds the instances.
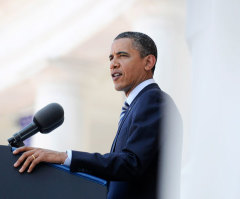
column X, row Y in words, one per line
column 139, row 152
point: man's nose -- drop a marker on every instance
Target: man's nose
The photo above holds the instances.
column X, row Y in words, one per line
column 114, row 64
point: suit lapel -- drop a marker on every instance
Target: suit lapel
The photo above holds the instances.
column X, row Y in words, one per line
column 150, row 86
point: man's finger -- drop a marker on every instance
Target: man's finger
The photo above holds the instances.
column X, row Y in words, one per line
column 22, row 149
column 26, row 163
column 33, row 165
column 22, row 158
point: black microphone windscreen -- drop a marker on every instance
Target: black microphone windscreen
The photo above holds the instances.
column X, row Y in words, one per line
column 49, row 117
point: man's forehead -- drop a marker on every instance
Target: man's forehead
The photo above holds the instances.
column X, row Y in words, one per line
column 122, row 44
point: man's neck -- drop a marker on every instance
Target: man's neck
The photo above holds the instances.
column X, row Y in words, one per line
column 127, row 93
column 137, row 89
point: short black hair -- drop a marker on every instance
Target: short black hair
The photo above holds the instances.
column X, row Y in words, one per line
column 142, row 42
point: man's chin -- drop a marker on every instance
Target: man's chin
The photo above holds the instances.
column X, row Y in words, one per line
column 118, row 87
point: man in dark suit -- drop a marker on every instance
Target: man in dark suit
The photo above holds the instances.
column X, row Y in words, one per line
column 132, row 165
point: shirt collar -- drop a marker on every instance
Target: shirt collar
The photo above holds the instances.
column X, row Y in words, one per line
column 137, row 90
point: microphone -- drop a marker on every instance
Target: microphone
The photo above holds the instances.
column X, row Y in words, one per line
column 45, row 120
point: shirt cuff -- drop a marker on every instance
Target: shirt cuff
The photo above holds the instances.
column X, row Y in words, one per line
column 69, row 158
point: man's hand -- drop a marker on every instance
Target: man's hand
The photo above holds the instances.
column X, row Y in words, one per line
column 33, row 156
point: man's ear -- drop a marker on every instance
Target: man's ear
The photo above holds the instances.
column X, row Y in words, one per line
column 150, row 62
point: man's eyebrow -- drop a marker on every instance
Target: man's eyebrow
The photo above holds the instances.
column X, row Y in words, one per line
column 118, row 53
column 122, row 52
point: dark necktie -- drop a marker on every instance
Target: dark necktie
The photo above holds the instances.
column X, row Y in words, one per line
column 124, row 110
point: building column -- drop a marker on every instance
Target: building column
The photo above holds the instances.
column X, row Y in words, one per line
column 58, row 84
column 213, row 37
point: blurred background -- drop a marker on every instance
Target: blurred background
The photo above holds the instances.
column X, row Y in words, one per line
column 57, row 51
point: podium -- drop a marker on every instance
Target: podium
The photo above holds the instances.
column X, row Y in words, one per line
column 46, row 181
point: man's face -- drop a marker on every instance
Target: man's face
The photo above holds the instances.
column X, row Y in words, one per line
column 126, row 65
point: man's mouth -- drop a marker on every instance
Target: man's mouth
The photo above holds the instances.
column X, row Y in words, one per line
column 116, row 75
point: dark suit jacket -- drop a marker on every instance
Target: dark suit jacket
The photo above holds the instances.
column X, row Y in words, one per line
column 131, row 166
